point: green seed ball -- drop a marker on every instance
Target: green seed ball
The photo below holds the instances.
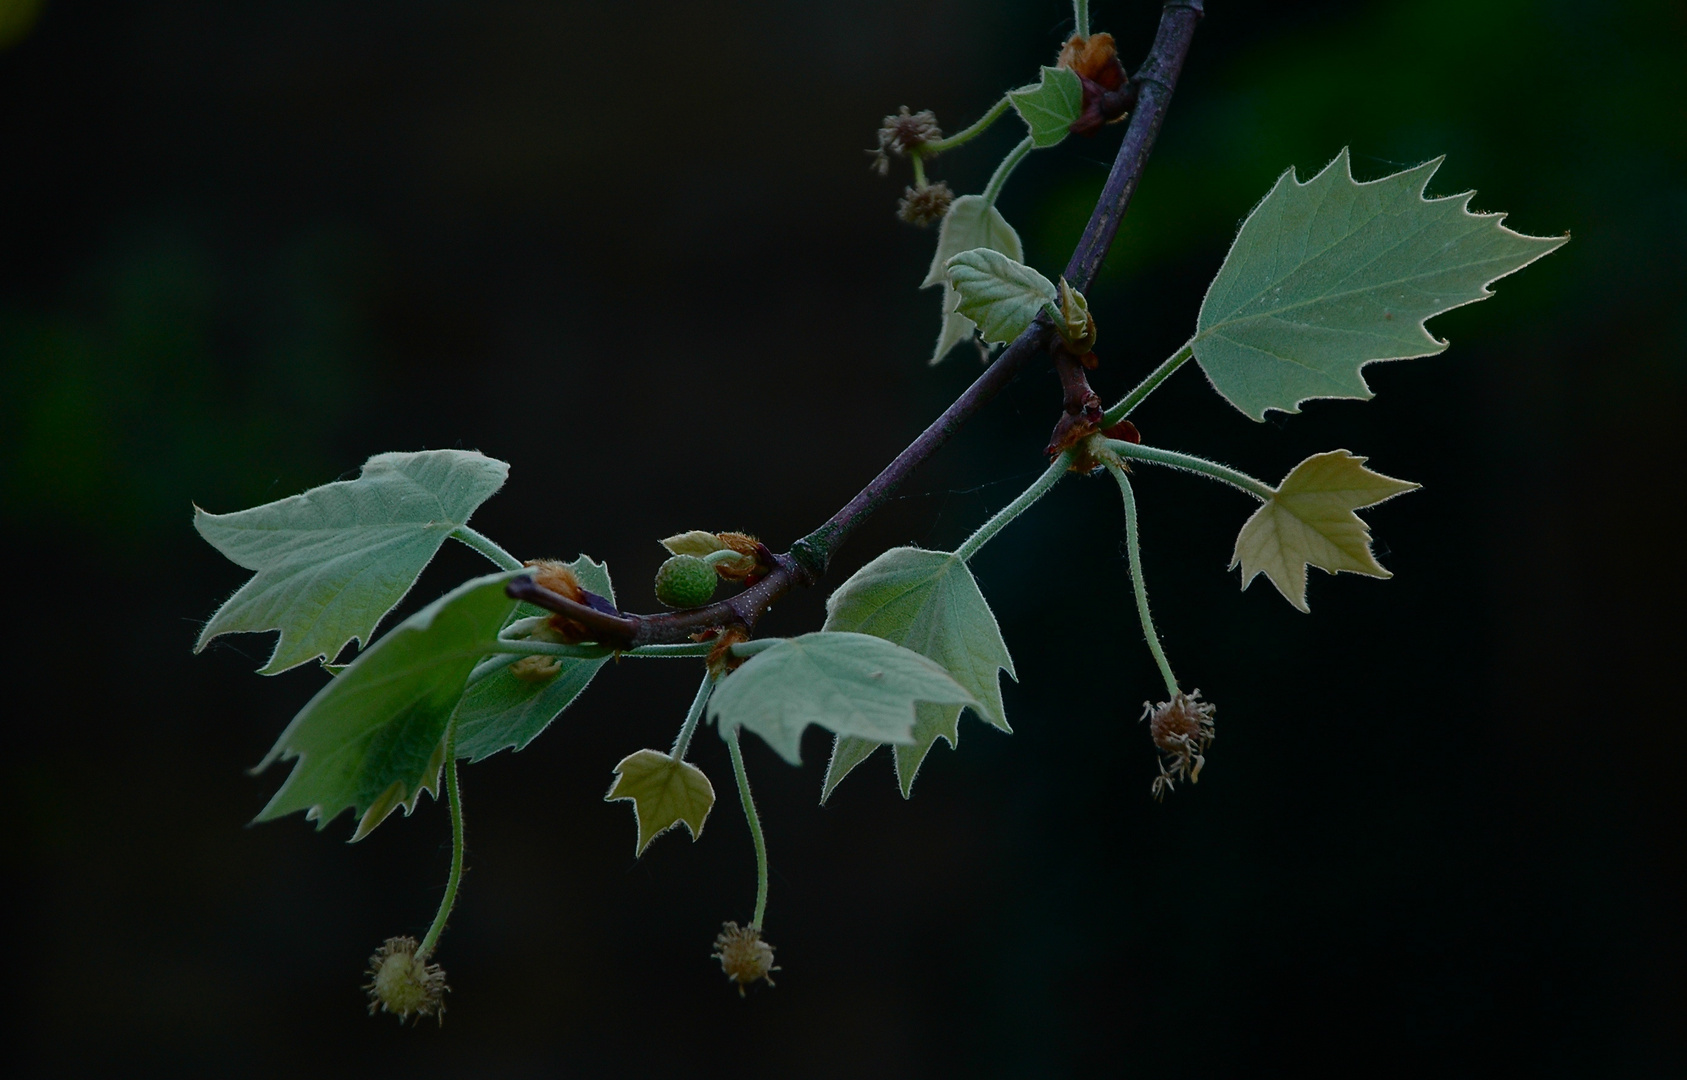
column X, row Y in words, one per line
column 685, row 581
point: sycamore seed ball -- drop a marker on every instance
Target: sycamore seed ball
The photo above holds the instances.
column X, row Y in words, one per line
column 685, row 581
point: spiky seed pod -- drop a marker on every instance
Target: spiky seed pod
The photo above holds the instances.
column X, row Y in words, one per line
column 1182, row 728
column 402, row 983
column 685, row 581
column 926, row 204
column 901, row 133
column 743, row 955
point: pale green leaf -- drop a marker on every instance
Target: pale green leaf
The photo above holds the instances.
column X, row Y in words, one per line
column 927, row 601
column 1310, row 522
column 696, row 542
column 332, row 562
column 1000, row 294
column 664, row 793
column 1330, row 275
column 851, row 684
column 1050, row 105
column 507, row 710
column 373, row 738
column 970, row 223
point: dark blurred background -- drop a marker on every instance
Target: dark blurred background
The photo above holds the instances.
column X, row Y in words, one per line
column 635, row 250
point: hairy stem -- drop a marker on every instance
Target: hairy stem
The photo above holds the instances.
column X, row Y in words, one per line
column 682, row 743
column 449, row 900
column 1081, row 17
column 1146, row 386
column 999, row 178
column 487, row 547
column 937, row 146
column 755, row 826
column 919, row 170
column 1039, row 487
column 1133, row 550
column 1190, row 463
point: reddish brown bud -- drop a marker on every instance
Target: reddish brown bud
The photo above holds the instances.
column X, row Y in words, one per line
column 1108, row 93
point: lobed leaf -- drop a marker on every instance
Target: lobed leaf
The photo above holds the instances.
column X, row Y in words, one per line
column 970, row 223
column 1310, row 522
column 505, row 711
column 373, row 738
column 1050, row 105
column 664, row 792
column 333, row 561
column 1000, row 294
column 1330, row 275
column 850, row 684
column 927, row 601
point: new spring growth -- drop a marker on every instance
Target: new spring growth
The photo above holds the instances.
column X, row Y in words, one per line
column 1108, row 94
column 403, row 983
column 743, row 955
column 1182, row 728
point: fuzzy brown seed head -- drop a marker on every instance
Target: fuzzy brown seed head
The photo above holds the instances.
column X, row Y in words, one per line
column 901, row 133
column 743, row 955
column 1182, row 728
column 926, row 204
column 404, row 984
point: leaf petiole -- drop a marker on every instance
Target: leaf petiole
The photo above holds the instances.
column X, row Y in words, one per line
column 487, row 547
column 743, row 777
column 1146, row 386
column 1039, row 487
column 1133, row 550
column 965, row 135
column 1190, row 463
column 683, row 742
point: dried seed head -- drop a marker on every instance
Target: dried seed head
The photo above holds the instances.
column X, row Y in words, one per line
column 1182, row 728
column 902, row 132
column 743, row 955
column 925, row 204
column 404, row 984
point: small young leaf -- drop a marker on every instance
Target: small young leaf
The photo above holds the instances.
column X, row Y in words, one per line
column 696, row 542
column 1000, row 294
column 1050, row 106
column 332, row 562
column 504, row 710
column 927, row 601
column 971, row 223
column 664, row 793
column 373, row 738
column 852, row 684
column 1330, row 275
column 1310, row 522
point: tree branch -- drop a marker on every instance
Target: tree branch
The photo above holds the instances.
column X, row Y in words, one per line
column 809, row 557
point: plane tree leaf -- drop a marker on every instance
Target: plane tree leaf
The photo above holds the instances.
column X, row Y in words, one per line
column 333, row 561
column 664, row 792
column 373, row 738
column 927, row 601
column 1000, row 294
column 1310, row 522
column 970, row 223
column 848, row 683
column 1329, row 275
column 1050, row 105
column 510, row 707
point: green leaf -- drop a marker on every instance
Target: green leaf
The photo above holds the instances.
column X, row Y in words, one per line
column 1330, row 275
column 332, row 562
column 1310, row 522
column 696, row 542
column 1050, row 106
column 1000, row 294
column 664, row 793
column 927, row 601
column 505, row 710
column 971, row 223
column 851, row 684
column 373, row 738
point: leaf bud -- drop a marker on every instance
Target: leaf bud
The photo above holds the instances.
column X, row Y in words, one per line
column 1108, row 93
column 1077, row 324
column 901, row 133
column 685, row 581
column 743, row 955
column 403, row 983
column 926, row 204
column 744, row 544
column 1181, row 728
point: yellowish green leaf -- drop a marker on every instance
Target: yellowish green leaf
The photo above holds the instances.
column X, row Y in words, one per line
column 664, row 792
